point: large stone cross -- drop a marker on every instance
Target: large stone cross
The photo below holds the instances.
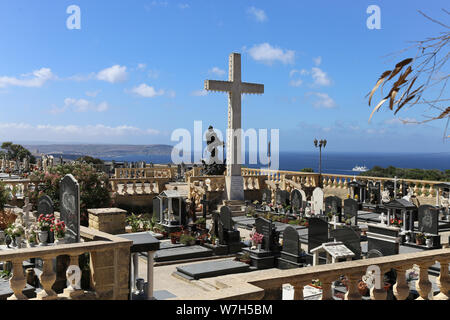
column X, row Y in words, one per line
column 235, row 88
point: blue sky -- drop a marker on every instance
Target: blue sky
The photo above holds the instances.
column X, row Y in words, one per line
column 134, row 72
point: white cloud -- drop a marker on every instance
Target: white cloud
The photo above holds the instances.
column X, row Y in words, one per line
column 93, row 94
column 154, row 74
column 34, row 80
column 58, row 132
column 141, row 66
column 80, row 105
column 183, row 6
column 317, row 61
column 296, row 83
column 320, row 77
column 217, row 71
column 147, row 91
column 323, row 100
column 113, row 74
column 265, row 53
column 258, row 14
column 199, row 93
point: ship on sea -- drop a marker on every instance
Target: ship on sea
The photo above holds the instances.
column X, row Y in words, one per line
column 360, row 169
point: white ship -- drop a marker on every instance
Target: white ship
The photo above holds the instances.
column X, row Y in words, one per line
column 360, row 169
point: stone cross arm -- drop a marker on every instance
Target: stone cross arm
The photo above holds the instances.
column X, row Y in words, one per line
column 227, row 86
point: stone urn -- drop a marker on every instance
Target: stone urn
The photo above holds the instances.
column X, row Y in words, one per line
column 43, row 237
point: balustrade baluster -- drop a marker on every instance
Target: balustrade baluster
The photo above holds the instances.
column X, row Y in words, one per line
column 47, row 278
column 352, row 291
column 17, row 281
column 401, row 288
column 298, row 289
column 423, row 286
column 327, row 291
column 443, row 281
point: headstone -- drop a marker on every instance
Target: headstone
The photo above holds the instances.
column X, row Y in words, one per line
column 227, row 235
column 70, row 207
column 45, row 205
column 282, row 197
column 384, row 239
column 296, row 200
column 266, row 196
column 333, row 204
column 317, row 233
column 291, row 254
column 268, row 230
column 157, row 209
column 351, row 207
column 349, row 237
column 428, row 219
column 317, row 203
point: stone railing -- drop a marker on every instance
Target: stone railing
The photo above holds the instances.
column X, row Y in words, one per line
column 198, row 186
column 287, row 180
column 154, row 172
column 267, row 284
column 423, row 188
column 138, row 186
column 109, row 265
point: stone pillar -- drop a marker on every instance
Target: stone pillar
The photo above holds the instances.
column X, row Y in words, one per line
column 352, row 292
column 47, row 278
column 18, row 281
column 327, row 291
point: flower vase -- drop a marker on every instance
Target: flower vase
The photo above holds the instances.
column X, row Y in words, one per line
column 31, row 244
column 429, row 243
column 18, row 240
column 259, row 246
column 43, row 238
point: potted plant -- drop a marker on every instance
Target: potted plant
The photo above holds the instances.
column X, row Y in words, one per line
column 16, row 231
column 245, row 257
column 396, row 222
column 257, row 240
column 175, row 237
column 134, row 221
column 59, row 230
column 44, row 225
column 187, row 239
column 201, row 223
column 420, row 238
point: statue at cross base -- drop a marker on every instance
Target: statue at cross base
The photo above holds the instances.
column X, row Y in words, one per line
column 214, row 167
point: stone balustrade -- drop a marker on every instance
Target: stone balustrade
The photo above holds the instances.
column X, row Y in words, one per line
column 154, row 172
column 422, row 188
column 109, row 265
column 137, row 186
column 267, row 284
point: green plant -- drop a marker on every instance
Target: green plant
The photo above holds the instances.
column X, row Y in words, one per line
column 245, row 257
column 94, row 186
column 5, row 274
column 187, row 239
column 200, row 221
column 134, row 221
column 294, row 222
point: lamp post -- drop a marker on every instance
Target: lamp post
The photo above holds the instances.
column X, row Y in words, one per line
column 320, row 144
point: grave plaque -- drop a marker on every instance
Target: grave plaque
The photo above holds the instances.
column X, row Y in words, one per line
column 351, row 207
column 70, row 207
column 45, row 205
column 428, row 219
column 296, row 200
column 317, row 233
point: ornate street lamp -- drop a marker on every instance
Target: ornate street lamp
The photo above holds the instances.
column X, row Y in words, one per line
column 320, row 144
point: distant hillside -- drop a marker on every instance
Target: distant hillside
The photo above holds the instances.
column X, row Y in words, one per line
column 101, row 150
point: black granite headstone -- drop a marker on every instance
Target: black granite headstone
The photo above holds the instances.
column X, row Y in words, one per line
column 266, row 196
column 271, row 236
column 226, row 218
column 351, row 207
column 428, row 219
column 45, row 205
column 317, row 233
column 296, row 200
column 70, row 207
column 291, row 241
column 333, row 204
